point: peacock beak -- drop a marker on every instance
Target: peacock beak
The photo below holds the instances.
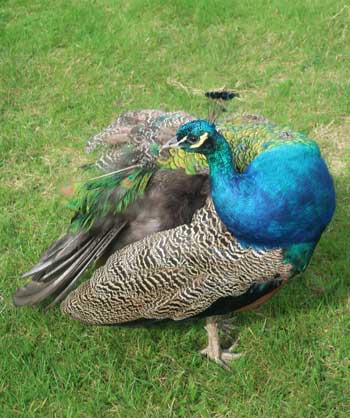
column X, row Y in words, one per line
column 172, row 143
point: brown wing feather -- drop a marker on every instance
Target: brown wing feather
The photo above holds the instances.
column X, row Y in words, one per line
column 174, row 274
column 170, row 200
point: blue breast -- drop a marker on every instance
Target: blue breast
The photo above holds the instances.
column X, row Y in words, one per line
column 285, row 196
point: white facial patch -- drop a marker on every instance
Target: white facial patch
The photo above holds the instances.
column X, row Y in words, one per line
column 181, row 141
column 201, row 140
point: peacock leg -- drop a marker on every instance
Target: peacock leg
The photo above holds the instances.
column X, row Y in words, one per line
column 214, row 351
column 226, row 327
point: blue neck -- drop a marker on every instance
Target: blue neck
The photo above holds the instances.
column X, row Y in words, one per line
column 285, row 196
column 221, row 164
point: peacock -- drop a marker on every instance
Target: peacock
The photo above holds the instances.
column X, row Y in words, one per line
column 186, row 219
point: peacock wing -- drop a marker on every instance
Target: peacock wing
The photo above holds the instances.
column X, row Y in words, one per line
column 108, row 209
column 170, row 200
column 175, row 274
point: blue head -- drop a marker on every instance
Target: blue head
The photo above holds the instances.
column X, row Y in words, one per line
column 198, row 136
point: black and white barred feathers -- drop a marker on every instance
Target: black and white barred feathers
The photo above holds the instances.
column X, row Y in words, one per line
column 174, row 274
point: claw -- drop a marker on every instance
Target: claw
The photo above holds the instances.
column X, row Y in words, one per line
column 214, row 352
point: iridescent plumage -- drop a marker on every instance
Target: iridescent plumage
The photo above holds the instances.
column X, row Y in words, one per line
column 175, row 257
column 140, row 145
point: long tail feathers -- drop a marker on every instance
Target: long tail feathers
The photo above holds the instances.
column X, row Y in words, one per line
column 63, row 264
column 94, row 226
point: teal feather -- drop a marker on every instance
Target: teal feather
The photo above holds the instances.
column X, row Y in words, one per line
column 111, row 193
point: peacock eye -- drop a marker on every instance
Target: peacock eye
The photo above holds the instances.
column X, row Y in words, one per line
column 191, row 139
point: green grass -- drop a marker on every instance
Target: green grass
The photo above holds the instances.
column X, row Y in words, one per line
column 67, row 68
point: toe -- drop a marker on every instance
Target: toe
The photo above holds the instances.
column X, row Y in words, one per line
column 228, row 356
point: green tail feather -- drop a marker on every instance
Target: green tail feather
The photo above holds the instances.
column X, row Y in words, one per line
column 110, row 193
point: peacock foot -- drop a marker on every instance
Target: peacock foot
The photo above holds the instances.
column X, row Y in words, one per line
column 214, row 351
column 223, row 357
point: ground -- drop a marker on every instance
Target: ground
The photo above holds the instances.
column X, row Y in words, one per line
column 67, row 69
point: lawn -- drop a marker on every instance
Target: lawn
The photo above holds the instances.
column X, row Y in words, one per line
column 67, row 69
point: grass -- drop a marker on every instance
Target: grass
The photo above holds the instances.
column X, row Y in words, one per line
column 67, row 68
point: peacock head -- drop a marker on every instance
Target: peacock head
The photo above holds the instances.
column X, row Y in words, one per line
column 198, row 136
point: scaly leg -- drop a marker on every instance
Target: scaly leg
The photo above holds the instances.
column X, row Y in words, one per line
column 213, row 351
